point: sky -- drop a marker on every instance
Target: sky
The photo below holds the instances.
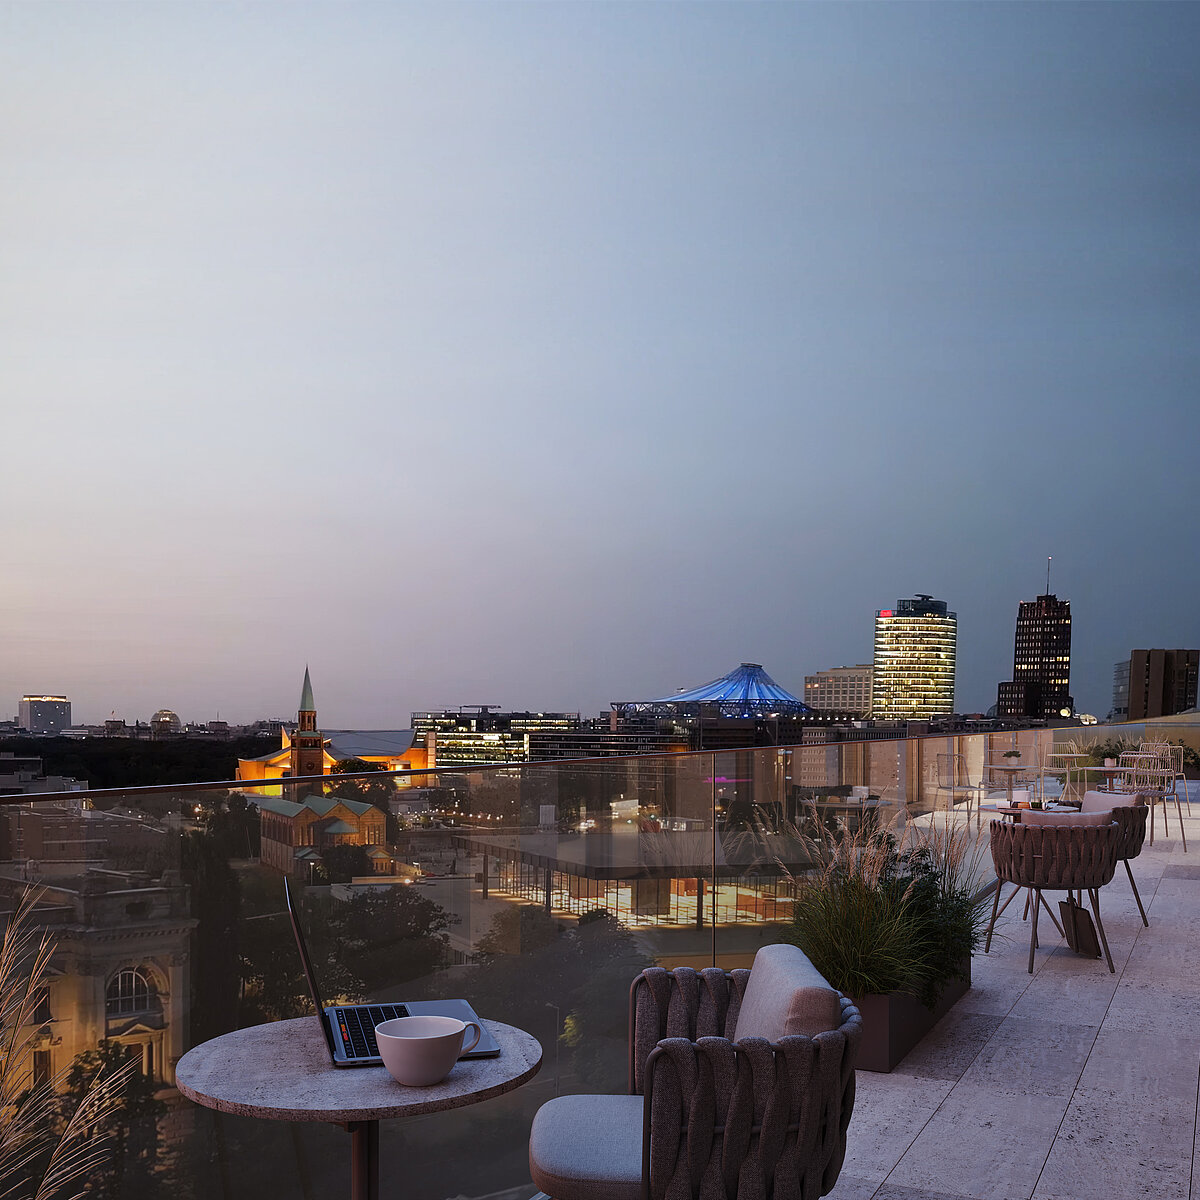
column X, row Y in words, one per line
column 546, row 355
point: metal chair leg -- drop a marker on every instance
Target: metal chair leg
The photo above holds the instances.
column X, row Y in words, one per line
column 1136, row 896
column 1033, row 928
column 987, row 945
column 1179, row 810
column 1095, row 896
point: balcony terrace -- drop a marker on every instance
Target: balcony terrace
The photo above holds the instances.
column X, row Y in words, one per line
column 1071, row 1082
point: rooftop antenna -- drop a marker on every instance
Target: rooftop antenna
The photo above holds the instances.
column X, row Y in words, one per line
column 1048, row 560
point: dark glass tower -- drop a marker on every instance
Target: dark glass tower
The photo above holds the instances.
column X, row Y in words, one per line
column 1041, row 682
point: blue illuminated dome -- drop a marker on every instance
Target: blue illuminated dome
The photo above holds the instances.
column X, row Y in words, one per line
column 747, row 691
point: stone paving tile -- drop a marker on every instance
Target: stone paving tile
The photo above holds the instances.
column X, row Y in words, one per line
column 982, row 1144
column 889, row 1112
column 1107, row 1146
column 1061, row 991
column 952, row 1045
column 1033, row 1057
column 1140, row 1065
column 1143, row 1003
column 892, row 1192
column 850, row 1188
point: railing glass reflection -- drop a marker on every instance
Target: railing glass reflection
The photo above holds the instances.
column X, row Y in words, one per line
column 536, row 890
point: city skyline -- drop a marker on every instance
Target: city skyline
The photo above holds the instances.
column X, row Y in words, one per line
column 552, row 356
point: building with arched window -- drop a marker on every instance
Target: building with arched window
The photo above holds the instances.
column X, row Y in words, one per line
column 120, row 972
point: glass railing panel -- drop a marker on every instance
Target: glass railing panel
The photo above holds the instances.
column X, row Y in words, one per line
column 537, row 891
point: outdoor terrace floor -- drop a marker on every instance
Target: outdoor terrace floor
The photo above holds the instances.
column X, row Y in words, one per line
column 1069, row 1084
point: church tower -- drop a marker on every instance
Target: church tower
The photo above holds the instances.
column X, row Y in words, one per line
column 308, row 746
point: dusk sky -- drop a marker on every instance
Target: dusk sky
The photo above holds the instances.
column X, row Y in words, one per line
column 545, row 355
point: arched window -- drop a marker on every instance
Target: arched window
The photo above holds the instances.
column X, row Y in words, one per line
column 129, row 992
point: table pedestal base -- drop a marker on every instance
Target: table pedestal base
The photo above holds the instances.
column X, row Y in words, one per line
column 364, row 1159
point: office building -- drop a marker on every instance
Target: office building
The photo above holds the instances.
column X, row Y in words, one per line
column 1120, row 700
column 915, row 648
column 44, row 714
column 840, row 689
column 1041, row 682
column 478, row 733
column 1155, row 683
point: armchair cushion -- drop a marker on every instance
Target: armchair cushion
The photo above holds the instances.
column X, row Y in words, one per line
column 588, row 1148
column 1095, row 817
column 786, row 995
column 1106, row 801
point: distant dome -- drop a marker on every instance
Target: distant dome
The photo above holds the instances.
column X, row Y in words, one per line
column 165, row 721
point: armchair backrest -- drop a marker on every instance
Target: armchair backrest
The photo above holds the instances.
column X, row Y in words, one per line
column 1055, row 857
column 683, row 1003
column 749, row 1118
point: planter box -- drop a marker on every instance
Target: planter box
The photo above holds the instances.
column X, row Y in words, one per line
column 894, row 1024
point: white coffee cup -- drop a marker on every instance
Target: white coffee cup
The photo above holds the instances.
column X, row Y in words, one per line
column 420, row 1051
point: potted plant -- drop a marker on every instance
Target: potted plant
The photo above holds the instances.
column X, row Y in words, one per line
column 892, row 922
column 1012, row 754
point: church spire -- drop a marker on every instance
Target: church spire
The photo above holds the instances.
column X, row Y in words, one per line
column 307, row 703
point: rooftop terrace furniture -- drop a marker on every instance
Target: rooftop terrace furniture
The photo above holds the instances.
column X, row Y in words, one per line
column 762, row 1117
column 1152, row 776
column 954, row 780
column 1055, row 852
column 1130, row 812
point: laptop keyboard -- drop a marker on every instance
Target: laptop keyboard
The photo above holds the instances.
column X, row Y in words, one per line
column 357, row 1027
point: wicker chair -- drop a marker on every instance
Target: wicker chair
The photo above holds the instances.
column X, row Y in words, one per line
column 1130, row 814
column 1052, row 858
column 760, row 1118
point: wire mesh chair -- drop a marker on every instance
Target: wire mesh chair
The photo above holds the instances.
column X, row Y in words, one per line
column 1171, row 756
column 953, row 779
column 1148, row 777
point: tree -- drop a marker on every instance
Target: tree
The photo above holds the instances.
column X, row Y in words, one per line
column 216, row 900
column 388, row 936
column 531, row 972
column 344, row 862
column 132, row 1127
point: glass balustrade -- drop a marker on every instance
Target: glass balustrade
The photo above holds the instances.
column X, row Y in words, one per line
column 535, row 890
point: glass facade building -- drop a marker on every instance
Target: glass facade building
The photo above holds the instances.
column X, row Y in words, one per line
column 915, row 649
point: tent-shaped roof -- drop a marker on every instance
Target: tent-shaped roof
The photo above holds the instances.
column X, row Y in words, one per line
column 747, row 691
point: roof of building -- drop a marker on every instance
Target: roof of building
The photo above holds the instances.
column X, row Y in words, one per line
column 747, row 691
column 338, row 827
column 307, row 703
column 321, row 805
column 369, row 743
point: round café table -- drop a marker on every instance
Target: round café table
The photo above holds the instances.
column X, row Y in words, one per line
column 282, row 1072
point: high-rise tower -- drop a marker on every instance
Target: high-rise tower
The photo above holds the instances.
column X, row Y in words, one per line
column 915, row 648
column 1041, row 682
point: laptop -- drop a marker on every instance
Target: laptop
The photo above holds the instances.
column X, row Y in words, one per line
column 349, row 1029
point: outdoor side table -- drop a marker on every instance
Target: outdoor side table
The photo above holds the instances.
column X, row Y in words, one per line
column 282, row 1072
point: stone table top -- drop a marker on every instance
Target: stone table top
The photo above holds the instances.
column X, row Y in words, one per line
column 282, row 1072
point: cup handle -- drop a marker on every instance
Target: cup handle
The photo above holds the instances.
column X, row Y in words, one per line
column 474, row 1041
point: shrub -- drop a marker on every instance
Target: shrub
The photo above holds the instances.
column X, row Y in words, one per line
column 881, row 917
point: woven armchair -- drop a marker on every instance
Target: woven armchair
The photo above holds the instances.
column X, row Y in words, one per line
column 760, row 1118
column 1051, row 858
column 1129, row 812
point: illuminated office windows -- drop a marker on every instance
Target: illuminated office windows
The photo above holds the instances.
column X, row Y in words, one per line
column 915, row 648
